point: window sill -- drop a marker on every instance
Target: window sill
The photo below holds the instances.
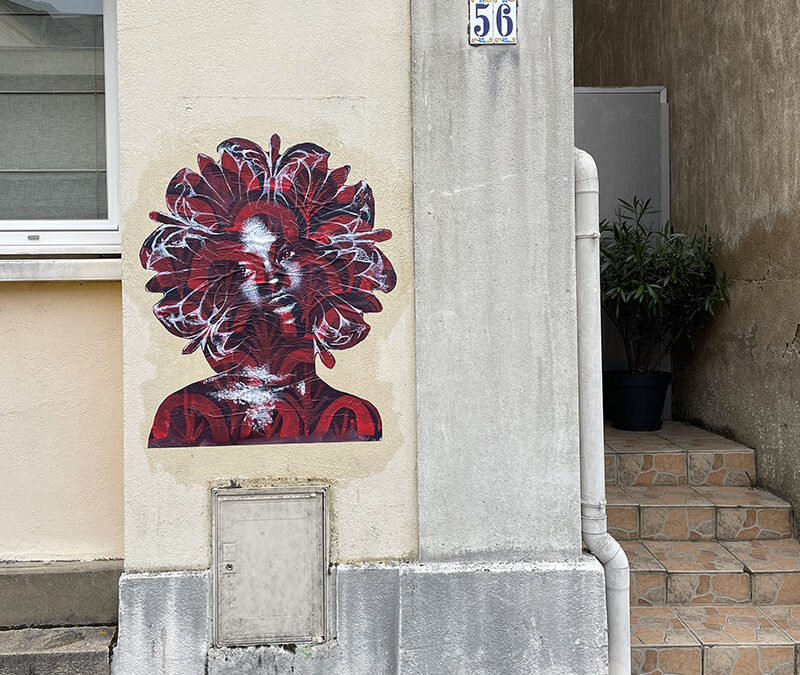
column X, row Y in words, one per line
column 60, row 269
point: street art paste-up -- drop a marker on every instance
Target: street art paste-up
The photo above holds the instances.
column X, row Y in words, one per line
column 266, row 261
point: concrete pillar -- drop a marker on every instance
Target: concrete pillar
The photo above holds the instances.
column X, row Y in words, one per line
column 495, row 287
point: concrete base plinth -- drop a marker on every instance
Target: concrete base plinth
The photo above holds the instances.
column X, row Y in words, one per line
column 546, row 618
column 164, row 624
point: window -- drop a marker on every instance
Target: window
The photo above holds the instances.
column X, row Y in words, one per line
column 58, row 128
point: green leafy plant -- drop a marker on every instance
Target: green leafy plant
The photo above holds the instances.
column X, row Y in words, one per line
column 657, row 284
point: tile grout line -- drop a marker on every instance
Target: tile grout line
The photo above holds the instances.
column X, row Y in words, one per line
column 691, row 632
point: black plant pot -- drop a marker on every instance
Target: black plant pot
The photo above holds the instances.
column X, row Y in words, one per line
column 636, row 402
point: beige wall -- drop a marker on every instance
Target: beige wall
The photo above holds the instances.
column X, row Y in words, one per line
column 733, row 78
column 336, row 74
column 61, row 412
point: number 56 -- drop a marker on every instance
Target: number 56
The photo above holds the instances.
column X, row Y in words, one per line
column 493, row 21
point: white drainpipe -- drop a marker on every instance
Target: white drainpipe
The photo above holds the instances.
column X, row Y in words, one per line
column 590, row 400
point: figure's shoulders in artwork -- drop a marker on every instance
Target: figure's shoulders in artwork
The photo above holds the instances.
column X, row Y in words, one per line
column 224, row 410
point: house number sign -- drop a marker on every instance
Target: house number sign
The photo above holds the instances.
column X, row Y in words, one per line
column 493, row 22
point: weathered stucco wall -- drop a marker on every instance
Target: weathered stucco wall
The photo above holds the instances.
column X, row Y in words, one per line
column 733, row 78
column 495, row 523
column 61, row 411
column 335, row 74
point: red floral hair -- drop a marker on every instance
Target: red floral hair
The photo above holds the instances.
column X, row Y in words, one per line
column 266, row 251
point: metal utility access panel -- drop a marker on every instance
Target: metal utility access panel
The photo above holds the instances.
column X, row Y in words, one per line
column 270, row 550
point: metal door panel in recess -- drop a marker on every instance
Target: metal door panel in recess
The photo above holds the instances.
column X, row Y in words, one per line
column 270, row 565
column 626, row 130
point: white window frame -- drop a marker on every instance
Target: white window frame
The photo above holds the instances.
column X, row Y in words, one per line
column 74, row 249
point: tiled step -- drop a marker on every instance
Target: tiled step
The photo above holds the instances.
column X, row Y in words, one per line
column 774, row 567
column 678, row 454
column 724, row 573
column 701, row 513
column 713, row 640
column 715, row 575
column 686, row 572
column 56, row 651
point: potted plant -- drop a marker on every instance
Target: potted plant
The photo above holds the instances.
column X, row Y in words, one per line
column 657, row 286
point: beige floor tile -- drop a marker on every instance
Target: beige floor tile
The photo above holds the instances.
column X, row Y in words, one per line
column 663, row 468
column 779, row 555
column 616, row 496
column 643, row 443
column 677, row 523
column 776, row 588
column 732, row 625
column 648, row 578
column 737, row 523
column 611, row 468
column 648, row 589
column 672, row 428
column 623, row 522
column 690, row 556
column 786, row 617
column 681, row 433
column 640, row 557
column 729, row 468
column 748, row 660
column 611, row 433
column 667, row 660
column 707, row 444
column 666, row 495
column 659, row 626
column 740, row 496
column 723, row 588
